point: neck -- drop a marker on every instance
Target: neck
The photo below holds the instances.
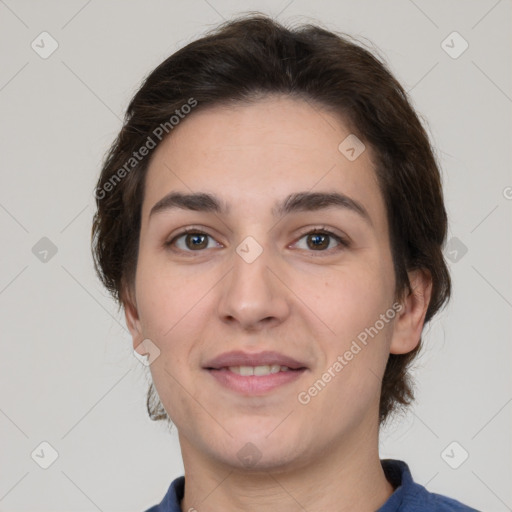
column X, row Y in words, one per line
column 347, row 476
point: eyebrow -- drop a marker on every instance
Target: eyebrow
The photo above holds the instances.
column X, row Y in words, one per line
column 297, row 202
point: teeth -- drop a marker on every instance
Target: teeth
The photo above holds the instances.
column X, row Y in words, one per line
column 258, row 370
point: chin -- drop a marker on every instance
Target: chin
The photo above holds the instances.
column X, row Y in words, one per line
column 253, row 459
column 257, row 450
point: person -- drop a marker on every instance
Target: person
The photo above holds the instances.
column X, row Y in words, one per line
column 271, row 220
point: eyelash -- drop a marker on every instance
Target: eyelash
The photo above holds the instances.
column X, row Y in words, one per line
column 343, row 243
column 323, row 230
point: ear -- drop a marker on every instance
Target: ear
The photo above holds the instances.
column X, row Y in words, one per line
column 409, row 322
column 132, row 319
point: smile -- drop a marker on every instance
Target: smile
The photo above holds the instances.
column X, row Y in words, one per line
column 255, row 380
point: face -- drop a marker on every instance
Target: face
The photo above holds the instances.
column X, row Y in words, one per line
column 268, row 263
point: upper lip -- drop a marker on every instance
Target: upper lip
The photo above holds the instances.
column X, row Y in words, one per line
column 240, row 358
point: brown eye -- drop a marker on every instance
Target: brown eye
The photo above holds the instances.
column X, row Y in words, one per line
column 318, row 241
column 192, row 241
column 195, row 241
column 321, row 241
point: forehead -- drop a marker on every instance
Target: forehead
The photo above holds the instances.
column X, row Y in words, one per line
column 254, row 154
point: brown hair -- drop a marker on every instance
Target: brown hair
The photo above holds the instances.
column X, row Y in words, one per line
column 248, row 58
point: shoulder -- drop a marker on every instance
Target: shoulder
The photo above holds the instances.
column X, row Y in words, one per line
column 171, row 501
column 432, row 502
column 410, row 496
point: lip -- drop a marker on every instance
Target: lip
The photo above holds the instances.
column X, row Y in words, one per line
column 240, row 358
column 254, row 384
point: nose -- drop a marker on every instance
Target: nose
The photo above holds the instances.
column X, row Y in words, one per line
column 252, row 297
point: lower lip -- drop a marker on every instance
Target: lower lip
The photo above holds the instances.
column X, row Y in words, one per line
column 254, row 384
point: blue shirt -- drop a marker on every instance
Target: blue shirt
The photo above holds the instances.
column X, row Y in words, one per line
column 407, row 497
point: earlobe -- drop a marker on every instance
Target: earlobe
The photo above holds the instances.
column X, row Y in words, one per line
column 409, row 323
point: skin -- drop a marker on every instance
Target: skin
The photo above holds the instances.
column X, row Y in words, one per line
column 304, row 302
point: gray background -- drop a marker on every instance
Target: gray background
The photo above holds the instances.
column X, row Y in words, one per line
column 67, row 372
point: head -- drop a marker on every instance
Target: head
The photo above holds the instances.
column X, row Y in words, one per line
column 270, row 133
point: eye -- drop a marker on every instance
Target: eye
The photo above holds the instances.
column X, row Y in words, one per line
column 320, row 240
column 317, row 240
column 192, row 240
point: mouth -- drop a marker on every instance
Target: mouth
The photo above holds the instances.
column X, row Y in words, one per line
column 255, row 380
column 258, row 371
column 254, row 373
column 259, row 360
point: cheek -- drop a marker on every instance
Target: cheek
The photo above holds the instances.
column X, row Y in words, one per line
column 171, row 318
column 348, row 383
column 173, row 322
column 167, row 297
column 348, row 299
column 350, row 302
